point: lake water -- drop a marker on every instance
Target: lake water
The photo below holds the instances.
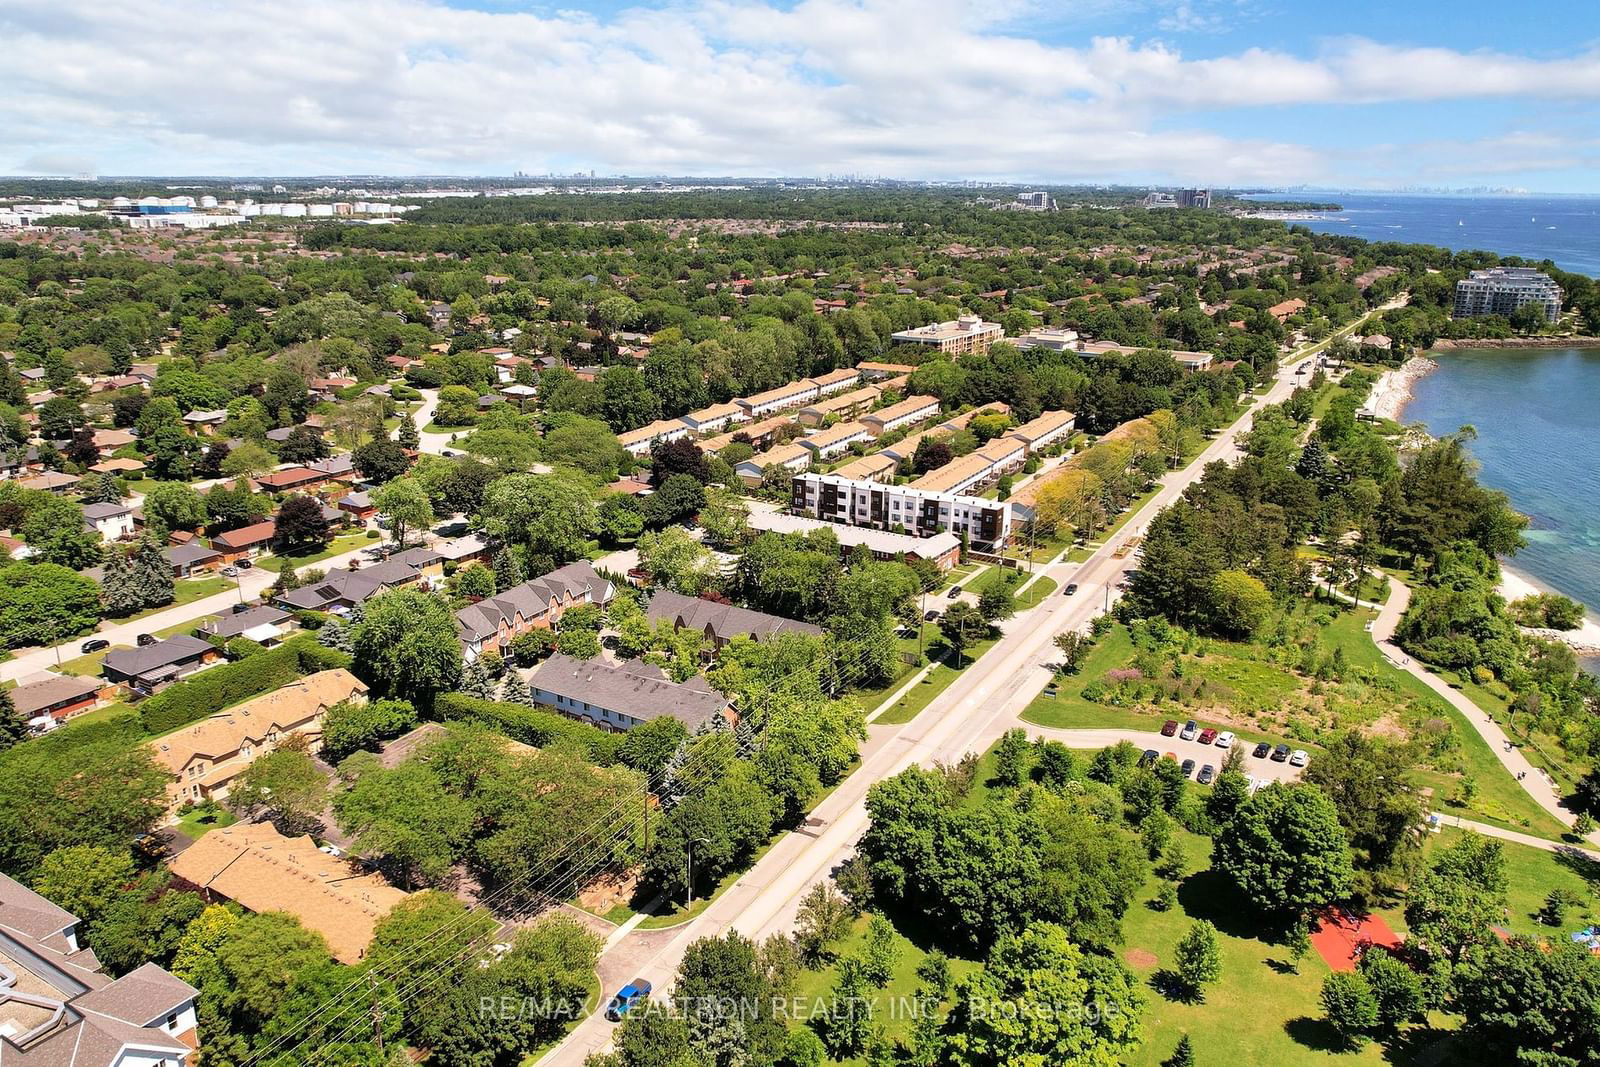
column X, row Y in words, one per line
column 1537, row 414
column 1564, row 229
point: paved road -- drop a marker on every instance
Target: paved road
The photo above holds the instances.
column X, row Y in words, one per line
column 970, row 715
column 27, row 664
column 1506, row 749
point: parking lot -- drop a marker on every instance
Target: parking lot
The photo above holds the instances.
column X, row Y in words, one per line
column 1263, row 769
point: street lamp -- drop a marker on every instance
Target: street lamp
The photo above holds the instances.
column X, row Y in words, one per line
column 704, row 841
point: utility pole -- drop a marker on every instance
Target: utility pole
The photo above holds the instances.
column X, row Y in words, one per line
column 377, row 1013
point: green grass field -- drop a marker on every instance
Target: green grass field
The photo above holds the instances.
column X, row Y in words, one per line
column 345, row 542
column 198, row 821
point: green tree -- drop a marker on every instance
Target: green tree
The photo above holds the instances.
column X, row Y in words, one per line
column 404, row 505
column 1241, row 603
column 551, row 515
column 824, row 918
column 1395, row 986
column 1198, row 958
column 1039, row 970
column 881, row 952
column 1286, row 851
column 285, row 782
column 1526, row 1001
column 175, row 505
column 301, row 527
column 961, row 625
column 248, row 460
column 1011, row 758
column 349, row 727
column 1349, row 1006
column 44, row 604
column 84, row 879
column 406, row 645
column 407, row 821
column 1451, row 907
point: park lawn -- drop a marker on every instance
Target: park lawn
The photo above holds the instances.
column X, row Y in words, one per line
column 1260, row 1011
column 1068, row 710
column 197, row 821
column 935, row 682
column 342, row 543
column 893, row 1005
column 1531, row 874
column 1028, row 598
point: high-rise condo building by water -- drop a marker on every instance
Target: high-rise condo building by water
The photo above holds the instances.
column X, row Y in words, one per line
column 1502, row 290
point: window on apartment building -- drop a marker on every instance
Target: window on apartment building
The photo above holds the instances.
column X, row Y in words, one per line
column 172, row 1020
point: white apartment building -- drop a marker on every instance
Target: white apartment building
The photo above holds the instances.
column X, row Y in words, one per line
column 784, row 396
column 1502, row 290
column 715, row 418
column 909, row 412
column 1054, row 338
column 638, row 442
column 835, row 440
column 966, row 335
column 986, row 523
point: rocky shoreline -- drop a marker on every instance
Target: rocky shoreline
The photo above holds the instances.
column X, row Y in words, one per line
column 1447, row 343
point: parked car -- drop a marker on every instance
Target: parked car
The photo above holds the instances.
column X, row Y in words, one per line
column 1169, row 728
column 1207, row 773
column 146, row 640
column 955, row 591
column 1207, row 736
column 1262, row 748
column 94, row 644
column 1298, row 758
column 1225, row 739
column 1188, row 767
column 930, row 616
column 244, row 564
column 1190, row 728
column 1149, row 757
column 1072, row 587
column 1280, row 753
column 229, row 572
column 627, row 997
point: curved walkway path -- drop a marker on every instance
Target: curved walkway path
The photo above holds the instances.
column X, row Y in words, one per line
column 1508, row 751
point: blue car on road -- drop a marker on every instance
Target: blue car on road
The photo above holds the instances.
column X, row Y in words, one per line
column 626, row 998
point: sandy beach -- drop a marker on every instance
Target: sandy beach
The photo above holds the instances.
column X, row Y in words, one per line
column 1393, row 391
column 1585, row 640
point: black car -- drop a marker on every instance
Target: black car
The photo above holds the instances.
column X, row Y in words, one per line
column 1149, row 758
column 1072, row 587
column 94, row 644
column 1188, row 767
column 1261, row 750
column 1280, row 753
column 244, row 564
column 146, row 640
column 1207, row 773
column 930, row 616
column 955, row 591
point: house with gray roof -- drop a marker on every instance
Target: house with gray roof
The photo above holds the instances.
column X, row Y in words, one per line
column 622, row 696
column 493, row 623
column 152, row 667
column 58, row 1007
column 720, row 623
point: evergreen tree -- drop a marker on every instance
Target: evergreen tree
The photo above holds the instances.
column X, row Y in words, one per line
column 673, row 786
column 152, row 574
column 407, row 436
column 1182, row 1056
column 515, row 690
column 12, row 728
column 335, row 635
column 118, row 592
column 507, row 571
column 475, row 681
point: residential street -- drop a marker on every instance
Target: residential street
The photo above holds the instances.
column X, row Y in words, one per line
column 970, row 715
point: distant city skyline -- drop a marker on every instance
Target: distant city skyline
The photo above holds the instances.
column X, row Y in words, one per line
column 1135, row 92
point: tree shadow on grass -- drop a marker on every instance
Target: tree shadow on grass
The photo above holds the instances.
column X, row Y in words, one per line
column 1209, row 894
column 1425, row 1046
column 1168, row 983
column 1580, row 863
column 1315, row 1034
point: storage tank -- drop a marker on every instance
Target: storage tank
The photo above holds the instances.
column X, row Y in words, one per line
column 208, row 201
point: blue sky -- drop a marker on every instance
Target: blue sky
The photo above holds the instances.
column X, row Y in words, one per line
column 1220, row 92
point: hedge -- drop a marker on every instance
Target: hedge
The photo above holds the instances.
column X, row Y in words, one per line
column 219, row 687
column 542, row 729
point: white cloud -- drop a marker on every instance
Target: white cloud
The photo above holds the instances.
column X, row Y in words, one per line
column 898, row 87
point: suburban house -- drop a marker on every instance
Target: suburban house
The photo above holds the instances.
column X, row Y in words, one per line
column 111, row 440
column 844, row 405
column 1039, row 434
column 494, row 622
column 621, row 696
column 791, row 456
column 246, row 542
column 760, row 434
column 358, row 505
column 113, row 522
column 874, row 468
column 154, row 667
column 834, row 381
column 51, row 701
column 639, row 442
column 826, row 444
column 191, row 556
column 343, row 588
column 289, row 479
column 50, row 482
column 784, row 396
column 463, row 550
column 1282, row 312
column 261, row 870
column 117, row 466
column 713, row 418
column 205, row 422
column 262, row 624
column 206, row 757
column 340, row 468
column 58, row 1007
column 720, row 623
column 908, row 412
